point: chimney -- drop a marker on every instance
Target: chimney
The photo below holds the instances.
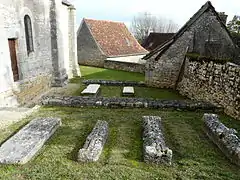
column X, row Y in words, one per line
column 223, row 17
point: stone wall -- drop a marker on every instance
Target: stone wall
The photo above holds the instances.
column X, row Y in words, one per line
column 214, row 83
column 114, row 82
column 89, row 53
column 125, row 66
column 82, row 101
column 165, row 71
column 27, row 90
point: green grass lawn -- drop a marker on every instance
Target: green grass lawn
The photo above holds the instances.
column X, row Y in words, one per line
column 194, row 155
column 115, row 91
column 107, row 74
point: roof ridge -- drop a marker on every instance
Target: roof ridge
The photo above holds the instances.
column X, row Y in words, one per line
column 104, row 20
column 204, row 8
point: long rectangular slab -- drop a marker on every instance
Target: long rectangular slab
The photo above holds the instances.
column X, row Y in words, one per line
column 91, row 89
column 22, row 146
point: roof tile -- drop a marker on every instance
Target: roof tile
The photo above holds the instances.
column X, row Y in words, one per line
column 114, row 38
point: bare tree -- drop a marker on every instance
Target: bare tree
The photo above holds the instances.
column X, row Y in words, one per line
column 144, row 23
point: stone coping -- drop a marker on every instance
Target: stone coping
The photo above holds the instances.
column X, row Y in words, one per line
column 114, row 82
column 127, row 102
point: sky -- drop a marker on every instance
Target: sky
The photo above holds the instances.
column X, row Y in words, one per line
column 124, row 10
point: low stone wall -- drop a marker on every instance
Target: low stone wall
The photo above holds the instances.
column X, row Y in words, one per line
column 95, row 141
column 27, row 90
column 226, row 139
column 125, row 66
column 93, row 62
column 113, row 82
column 82, row 101
column 154, row 146
column 215, row 83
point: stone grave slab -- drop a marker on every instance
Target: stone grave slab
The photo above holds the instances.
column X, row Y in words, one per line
column 128, row 91
column 95, row 141
column 23, row 145
column 154, row 146
column 91, row 89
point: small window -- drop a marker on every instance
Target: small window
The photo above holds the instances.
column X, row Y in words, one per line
column 28, row 34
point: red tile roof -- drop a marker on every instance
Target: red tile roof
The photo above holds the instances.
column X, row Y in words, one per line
column 114, row 38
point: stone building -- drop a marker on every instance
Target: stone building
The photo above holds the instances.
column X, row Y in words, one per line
column 99, row 40
column 204, row 34
column 38, row 48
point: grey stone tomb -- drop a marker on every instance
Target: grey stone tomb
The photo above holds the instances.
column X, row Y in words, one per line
column 22, row 146
column 128, row 91
column 91, row 89
column 154, row 147
column 95, row 141
column 225, row 138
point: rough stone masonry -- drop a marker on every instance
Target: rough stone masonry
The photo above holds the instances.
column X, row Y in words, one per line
column 21, row 147
column 212, row 82
column 225, row 138
column 154, row 146
column 95, row 141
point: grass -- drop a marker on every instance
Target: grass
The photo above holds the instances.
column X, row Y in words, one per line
column 107, row 74
column 194, row 155
column 115, row 91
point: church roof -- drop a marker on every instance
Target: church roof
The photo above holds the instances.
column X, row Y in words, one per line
column 114, row 38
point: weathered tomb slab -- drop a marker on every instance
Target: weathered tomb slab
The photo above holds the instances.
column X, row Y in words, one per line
column 22, row 146
column 91, row 89
column 95, row 141
column 154, row 146
column 128, row 91
column 225, row 138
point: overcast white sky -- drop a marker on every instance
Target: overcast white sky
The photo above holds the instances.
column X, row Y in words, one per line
column 123, row 10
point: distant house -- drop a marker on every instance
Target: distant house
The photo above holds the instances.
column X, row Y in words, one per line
column 98, row 40
column 156, row 39
column 204, row 34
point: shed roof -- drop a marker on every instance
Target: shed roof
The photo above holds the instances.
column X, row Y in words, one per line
column 114, row 38
column 156, row 39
